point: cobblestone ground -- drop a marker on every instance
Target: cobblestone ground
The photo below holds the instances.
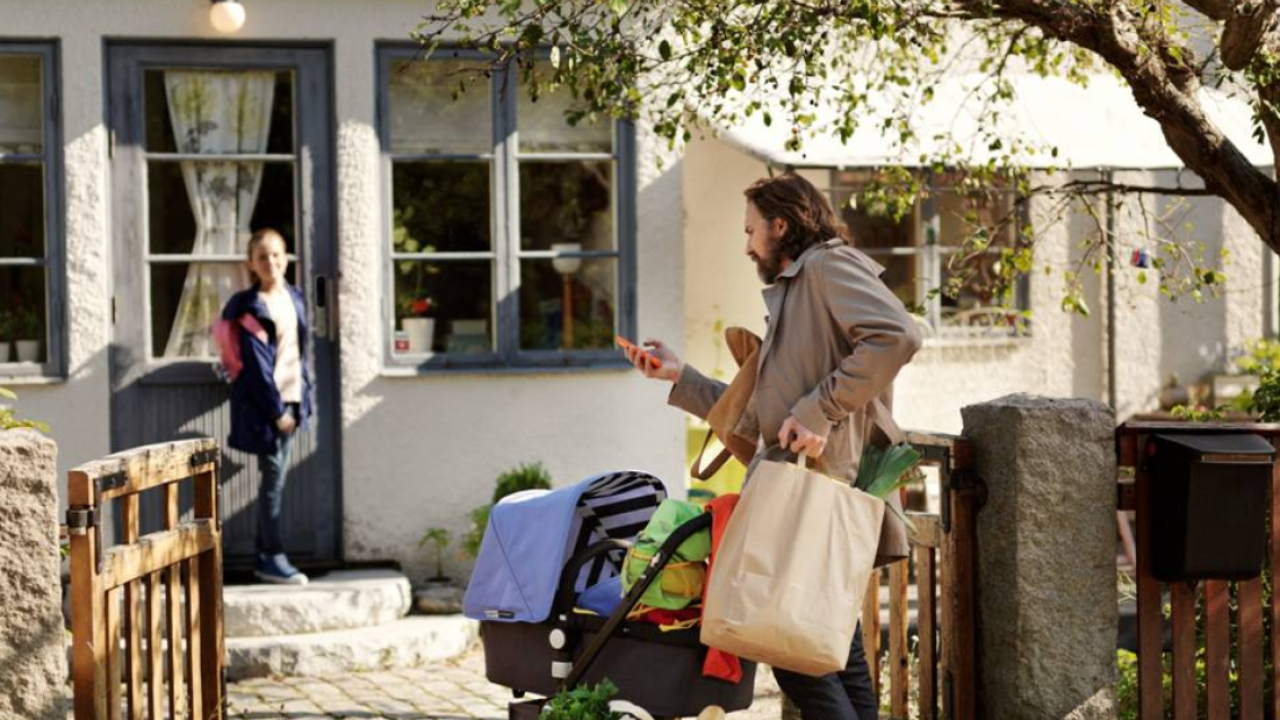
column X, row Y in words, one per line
column 452, row 690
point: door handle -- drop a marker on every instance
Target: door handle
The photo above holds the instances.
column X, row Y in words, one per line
column 324, row 306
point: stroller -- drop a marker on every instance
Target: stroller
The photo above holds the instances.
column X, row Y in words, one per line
column 542, row 549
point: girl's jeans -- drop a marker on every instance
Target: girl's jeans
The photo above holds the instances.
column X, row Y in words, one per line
column 274, row 467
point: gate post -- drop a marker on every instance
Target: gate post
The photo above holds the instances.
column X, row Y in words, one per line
column 32, row 653
column 1046, row 574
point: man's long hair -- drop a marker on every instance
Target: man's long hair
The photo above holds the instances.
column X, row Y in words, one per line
column 810, row 219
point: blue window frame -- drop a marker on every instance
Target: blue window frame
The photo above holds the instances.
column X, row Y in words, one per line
column 509, row 234
column 31, row 235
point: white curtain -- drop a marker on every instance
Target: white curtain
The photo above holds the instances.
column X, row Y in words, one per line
column 216, row 112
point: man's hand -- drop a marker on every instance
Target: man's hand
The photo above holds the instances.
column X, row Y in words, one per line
column 671, row 365
column 286, row 423
column 806, row 441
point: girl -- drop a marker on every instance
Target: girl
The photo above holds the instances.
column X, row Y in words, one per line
column 271, row 387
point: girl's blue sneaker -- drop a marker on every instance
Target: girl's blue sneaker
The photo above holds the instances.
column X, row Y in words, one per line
column 277, row 569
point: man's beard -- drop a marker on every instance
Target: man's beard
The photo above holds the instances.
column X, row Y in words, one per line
column 768, row 268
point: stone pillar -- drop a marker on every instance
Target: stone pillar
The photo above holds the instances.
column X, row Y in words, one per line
column 1046, row 545
column 33, row 657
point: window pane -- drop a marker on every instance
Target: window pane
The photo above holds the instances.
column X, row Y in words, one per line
column 874, row 231
column 566, row 202
column 443, row 307
column 22, row 210
column 582, row 291
column 962, row 217
column 21, row 113
column 902, row 276
column 424, row 117
column 542, row 125
column 186, row 301
column 440, row 207
column 235, row 199
column 219, row 111
column 976, row 310
column 24, row 318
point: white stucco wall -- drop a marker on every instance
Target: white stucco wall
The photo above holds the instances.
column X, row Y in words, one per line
column 1065, row 354
column 417, row 451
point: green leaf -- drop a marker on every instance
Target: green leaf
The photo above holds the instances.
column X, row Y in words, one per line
column 618, row 6
column 664, row 50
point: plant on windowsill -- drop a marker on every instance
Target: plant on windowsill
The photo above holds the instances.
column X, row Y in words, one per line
column 415, row 320
column 28, row 327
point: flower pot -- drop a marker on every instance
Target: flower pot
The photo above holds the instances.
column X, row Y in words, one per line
column 421, row 333
column 28, row 350
column 4, row 351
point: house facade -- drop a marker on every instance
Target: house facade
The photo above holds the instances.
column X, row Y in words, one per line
column 138, row 147
column 466, row 264
column 1129, row 347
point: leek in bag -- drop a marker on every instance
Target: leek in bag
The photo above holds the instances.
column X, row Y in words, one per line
column 885, row 470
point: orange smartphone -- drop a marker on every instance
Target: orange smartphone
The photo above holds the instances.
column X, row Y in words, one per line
column 626, row 344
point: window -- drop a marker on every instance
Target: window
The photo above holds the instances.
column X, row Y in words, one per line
column 30, row 213
column 923, row 252
column 509, row 239
column 220, row 163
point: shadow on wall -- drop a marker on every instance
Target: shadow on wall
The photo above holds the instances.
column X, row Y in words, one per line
column 1194, row 335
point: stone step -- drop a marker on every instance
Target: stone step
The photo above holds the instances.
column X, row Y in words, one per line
column 405, row 643
column 340, row 600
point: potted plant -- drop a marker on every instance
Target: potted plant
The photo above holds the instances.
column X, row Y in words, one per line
column 27, row 331
column 418, row 325
column 6, row 334
column 439, row 595
column 437, row 539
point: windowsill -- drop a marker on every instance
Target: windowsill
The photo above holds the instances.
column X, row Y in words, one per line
column 412, row 371
column 35, row 379
column 1006, row 341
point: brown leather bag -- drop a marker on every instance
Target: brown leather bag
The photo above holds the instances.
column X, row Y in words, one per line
column 727, row 412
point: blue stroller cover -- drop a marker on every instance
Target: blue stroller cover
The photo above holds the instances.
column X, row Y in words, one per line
column 532, row 534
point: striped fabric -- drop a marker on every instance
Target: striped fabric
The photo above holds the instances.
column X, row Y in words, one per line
column 616, row 506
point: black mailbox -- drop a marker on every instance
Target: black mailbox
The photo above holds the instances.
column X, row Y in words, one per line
column 1209, row 501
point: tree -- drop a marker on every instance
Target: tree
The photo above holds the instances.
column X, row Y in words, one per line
column 658, row 59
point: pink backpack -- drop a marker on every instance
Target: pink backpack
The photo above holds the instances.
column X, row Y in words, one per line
column 228, row 339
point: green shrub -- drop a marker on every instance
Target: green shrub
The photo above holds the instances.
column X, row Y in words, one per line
column 1266, row 399
column 1260, row 356
column 527, row 476
column 582, row 703
column 9, row 419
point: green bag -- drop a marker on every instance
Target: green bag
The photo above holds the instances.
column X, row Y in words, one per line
column 682, row 580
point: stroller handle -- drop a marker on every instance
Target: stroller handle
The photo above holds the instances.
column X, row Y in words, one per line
column 566, row 598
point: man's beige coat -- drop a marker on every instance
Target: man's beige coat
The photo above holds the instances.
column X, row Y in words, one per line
column 836, row 339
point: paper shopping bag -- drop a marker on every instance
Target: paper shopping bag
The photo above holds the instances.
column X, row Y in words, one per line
column 792, row 569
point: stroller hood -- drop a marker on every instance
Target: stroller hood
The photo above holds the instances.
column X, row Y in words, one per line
column 532, row 534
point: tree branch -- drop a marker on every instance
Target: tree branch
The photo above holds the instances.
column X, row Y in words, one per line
column 1166, row 92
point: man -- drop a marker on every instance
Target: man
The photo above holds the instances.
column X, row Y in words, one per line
column 836, row 338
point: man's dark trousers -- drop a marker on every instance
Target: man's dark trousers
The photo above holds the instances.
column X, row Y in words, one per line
column 844, row 695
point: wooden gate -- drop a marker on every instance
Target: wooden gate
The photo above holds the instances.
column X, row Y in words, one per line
column 160, row 592
column 942, row 570
column 1215, row 597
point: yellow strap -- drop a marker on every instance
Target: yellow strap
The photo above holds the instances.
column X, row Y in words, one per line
column 682, row 625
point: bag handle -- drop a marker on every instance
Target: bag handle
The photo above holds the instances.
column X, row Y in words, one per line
column 718, row 462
